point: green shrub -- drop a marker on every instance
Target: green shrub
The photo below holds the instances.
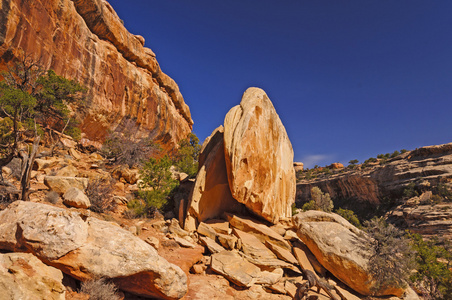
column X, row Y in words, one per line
column 410, row 190
column 395, row 154
column 433, row 277
column 350, row 216
column 309, row 206
column 156, row 187
column 186, row 158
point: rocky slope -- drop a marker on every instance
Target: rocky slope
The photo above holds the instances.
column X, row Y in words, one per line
column 424, row 167
column 85, row 40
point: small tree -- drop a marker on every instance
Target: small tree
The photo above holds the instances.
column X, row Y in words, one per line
column 156, row 186
column 391, row 261
column 320, row 201
column 186, row 159
column 433, row 276
column 24, row 102
column 353, row 162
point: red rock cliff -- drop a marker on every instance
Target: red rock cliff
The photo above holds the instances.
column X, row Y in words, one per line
column 85, row 40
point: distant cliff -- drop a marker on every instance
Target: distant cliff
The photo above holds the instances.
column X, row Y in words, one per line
column 85, row 40
column 422, row 168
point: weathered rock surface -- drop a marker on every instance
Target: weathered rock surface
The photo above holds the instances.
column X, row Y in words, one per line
column 261, row 231
column 62, row 184
column 85, row 247
column 23, row 276
column 86, row 41
column 241, row 272
column 211, row 196
column 426, row 166
column 76, row 198
column 427, row 220
column 340, row 248
column 259, row 157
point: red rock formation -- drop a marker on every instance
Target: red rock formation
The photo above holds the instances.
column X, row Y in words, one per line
column 425, row 167
column 85, row 40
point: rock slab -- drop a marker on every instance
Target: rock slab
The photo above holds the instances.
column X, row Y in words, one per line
column 23, row 276
column 341, row 249
column 85, row 248
column 259, row 157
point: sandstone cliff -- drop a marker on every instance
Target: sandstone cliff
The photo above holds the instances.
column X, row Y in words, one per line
column 85, row 40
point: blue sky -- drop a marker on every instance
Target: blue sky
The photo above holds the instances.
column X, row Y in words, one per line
column 349, row 79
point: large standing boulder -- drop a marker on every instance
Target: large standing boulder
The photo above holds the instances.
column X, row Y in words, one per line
column 211, row 196
column 259, row 157
column 23, row 276
column 341, row 249
column 85, row 248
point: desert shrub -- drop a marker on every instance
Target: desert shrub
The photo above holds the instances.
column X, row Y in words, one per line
column 350, row 216
column 434, row 276
column 136, row 208
column 444, row 191
column 52, row 197
column 309, row 206
column 403, row 151
column 99, row 192
column 352, row 163
column 395, row 154
column 156, row 187
column 100, row 289
column 121, row 146
column 410, row 190
column 320, row 201
column 370, row 160
column 186, row 158
column 392, row 258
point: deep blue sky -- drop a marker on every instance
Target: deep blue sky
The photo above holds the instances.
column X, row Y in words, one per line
column 349, row 79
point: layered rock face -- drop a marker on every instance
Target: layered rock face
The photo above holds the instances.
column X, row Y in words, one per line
column 426, row 166
column 85, row 40
column 259, row 157
column 86, row 248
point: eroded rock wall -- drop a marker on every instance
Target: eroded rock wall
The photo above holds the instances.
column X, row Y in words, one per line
column 425, row 167
column 85, row 40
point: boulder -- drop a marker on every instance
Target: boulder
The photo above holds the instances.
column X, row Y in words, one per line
column 85, row 248
column 76, row 198
column 211, row 195
column 259, row 157
column 67, row 171
column 298, row 166
column 241, row 272
column 211, row 244
column 341, row 249
column 61, row 184
column 259, row 230
column 23, row 276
